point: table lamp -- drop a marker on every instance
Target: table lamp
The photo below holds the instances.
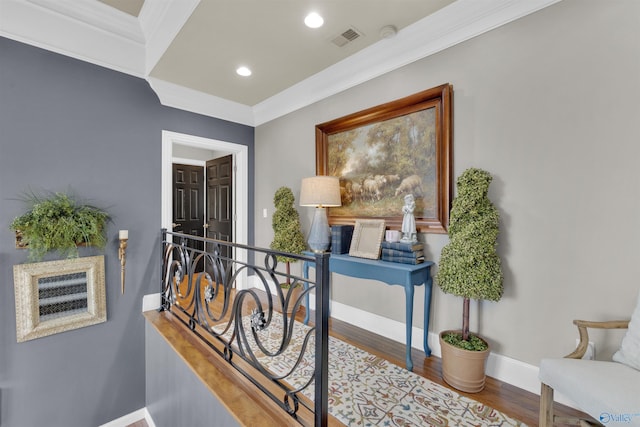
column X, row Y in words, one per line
column 321, row 192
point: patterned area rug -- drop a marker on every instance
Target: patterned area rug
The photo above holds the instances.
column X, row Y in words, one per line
column 366, row 390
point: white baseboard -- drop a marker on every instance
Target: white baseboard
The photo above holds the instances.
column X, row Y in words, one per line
column 131, row 418
column 148, row 419
column 151, row 302
column 503, row 368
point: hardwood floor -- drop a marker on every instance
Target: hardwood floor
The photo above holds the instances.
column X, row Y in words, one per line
column 504, row 397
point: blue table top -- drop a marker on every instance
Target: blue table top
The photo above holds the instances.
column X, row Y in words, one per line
column 378, row 262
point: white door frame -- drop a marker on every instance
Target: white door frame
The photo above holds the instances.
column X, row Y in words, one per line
column 241, row 183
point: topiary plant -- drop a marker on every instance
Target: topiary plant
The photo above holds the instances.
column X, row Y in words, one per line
column 286, row 226
column 58, row 222
column 469, row 264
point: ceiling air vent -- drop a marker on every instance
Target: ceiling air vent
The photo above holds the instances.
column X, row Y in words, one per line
column 346, row 37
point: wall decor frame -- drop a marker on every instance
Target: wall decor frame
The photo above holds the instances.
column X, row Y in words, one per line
column 382, row 153
column 58, row 296
column 367, row 238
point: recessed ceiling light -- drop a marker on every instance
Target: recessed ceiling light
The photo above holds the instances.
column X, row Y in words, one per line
column 313, row 20
column 243, row 71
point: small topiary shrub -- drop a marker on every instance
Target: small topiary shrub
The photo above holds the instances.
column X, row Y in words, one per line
column 472, row 344
column 286, row 226
column 469, row 264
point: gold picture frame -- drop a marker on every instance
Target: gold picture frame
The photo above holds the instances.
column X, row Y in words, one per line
column 367, row 238
column 385, row 152
column 58, row 296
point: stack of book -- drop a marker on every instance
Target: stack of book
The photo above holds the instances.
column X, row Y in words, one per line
column 341, row 238
column 406, row 253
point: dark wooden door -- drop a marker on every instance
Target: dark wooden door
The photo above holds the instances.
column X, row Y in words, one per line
column 220, row 199
column 188, row 202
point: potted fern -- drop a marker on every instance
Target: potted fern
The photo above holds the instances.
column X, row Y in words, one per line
column 287, row 238
column 58, row 222
column 469, row 267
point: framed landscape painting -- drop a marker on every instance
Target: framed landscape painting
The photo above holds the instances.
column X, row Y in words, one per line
column 386, row 152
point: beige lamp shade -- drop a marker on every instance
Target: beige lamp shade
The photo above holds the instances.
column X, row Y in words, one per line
column 321, row 191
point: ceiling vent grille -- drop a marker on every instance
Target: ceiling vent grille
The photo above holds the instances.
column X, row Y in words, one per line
column 346, row 37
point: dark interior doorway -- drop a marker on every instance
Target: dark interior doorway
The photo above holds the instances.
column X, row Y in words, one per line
column 188, row 199
column 204, row 210
column 220, row 199
column 188, row 204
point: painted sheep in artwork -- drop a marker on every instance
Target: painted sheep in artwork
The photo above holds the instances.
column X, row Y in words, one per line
column 411, row 184
column 373, row 186
column 356, row 189
column 392, row 179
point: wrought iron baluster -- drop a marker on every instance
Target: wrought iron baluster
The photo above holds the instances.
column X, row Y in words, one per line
column 246, row 325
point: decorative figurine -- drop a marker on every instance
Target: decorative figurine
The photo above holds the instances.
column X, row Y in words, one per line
column 409, row 233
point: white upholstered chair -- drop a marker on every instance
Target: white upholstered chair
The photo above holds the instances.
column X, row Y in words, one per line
column 609, row 391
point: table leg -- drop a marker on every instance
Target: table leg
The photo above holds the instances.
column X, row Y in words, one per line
column 427, row 308
column 408, row 293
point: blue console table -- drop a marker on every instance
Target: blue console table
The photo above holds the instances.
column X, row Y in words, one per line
column 391, row 273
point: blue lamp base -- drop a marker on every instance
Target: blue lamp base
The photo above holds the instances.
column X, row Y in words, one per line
column 320, row 234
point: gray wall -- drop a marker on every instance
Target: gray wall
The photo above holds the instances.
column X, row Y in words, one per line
column 67, row 124
column 175, row 395
column 549, row 105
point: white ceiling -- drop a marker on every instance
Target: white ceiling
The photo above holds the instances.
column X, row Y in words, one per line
column 188, row 50
column 270, row 37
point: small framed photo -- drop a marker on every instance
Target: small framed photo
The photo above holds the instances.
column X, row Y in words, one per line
column 367, row 238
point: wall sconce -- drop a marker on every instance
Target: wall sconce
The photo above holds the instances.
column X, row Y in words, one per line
column 123, row 235
column 320, row 192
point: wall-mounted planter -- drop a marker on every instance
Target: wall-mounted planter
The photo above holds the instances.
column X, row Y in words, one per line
column 58, row 222
column 22, row 244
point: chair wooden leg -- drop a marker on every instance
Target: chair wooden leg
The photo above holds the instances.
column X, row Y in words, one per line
column 546, row 406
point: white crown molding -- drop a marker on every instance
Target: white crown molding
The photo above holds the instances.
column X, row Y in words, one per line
column 94, row 32
column 96, row 14
column 170, row 16
column 184, row 98
column 460, row 21
column 45, row 28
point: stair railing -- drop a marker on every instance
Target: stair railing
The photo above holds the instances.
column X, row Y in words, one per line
column 247, row 325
